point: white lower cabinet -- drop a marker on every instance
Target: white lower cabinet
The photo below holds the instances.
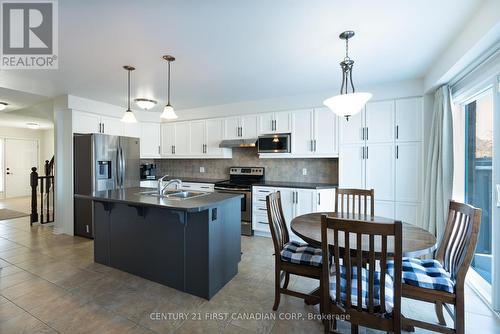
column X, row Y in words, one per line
column 294, row 202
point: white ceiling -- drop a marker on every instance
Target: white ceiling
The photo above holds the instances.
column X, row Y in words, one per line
column 229, row 51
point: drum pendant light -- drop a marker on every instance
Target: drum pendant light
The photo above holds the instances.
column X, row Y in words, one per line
column 128, row 117
column 168, row 110
column 349, row 102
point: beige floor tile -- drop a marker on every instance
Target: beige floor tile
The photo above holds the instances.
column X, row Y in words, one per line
column 25, row 324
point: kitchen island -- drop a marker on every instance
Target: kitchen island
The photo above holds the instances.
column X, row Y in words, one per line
column 190, row 244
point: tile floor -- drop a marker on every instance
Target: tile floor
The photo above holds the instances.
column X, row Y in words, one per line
column 50, row 284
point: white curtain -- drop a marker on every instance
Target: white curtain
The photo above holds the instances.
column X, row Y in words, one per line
column 438, row 173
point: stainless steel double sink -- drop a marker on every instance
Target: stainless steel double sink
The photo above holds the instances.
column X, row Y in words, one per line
column 175, row 194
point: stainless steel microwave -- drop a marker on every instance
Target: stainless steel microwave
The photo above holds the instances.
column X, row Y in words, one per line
column 277, row 143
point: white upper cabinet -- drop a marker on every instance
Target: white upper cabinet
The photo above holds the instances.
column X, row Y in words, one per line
column 409, row 113
column 351, row 131
column 325, row 132
column 197, row 137
column 244, row 127
column 167, row 139
column 150, row 140
column 249, row 126
column 86, row 122
column 214, row 135
column 408, row 171
column 303, row 133
column 181, row 146
column 275, row 122
column 379, row 122
column 112, row 126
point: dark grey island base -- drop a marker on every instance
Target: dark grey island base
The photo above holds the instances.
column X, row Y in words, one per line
column 192, row 249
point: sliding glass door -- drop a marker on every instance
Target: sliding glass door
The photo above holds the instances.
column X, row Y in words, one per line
column 478, row 174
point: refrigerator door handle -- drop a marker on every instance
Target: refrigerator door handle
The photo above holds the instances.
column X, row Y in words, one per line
column 122, row 167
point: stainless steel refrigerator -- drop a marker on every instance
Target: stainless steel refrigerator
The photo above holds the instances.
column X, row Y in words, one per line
column 101, row 162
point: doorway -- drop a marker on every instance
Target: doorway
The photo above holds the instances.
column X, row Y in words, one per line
column 20, row 155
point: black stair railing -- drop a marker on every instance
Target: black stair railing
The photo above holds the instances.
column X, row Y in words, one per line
column 43, row 185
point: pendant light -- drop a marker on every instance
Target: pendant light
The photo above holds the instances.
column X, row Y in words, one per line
column 3, row 105
column 349, row 102
column 168, row 110
column 128, row 117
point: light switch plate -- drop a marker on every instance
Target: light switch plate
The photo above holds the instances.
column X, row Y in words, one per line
column 202, row 169
column 498, row 195
column 304, row 171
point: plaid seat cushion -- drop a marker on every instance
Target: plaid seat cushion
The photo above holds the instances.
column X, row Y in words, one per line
column 389, row 295
column 300, row 253
column 424, row 273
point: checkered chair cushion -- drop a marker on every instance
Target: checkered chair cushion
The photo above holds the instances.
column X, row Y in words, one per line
column 300, row 253
column 424, row 273
column 389, row 295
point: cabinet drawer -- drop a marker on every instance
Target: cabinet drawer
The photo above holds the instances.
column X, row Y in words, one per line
column 198, row 186
column 262, row 191
column 260, row 222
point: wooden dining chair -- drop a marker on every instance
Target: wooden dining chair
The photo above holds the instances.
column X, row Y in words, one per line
column 291, row 257
column 357, row 201
column 441, row 280
column 370, row 297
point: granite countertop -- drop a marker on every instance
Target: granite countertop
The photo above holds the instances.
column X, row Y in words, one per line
column 189, row 179
column 133, row 196
column 291, row 184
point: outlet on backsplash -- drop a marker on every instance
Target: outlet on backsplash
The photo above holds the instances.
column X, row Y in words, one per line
column 202, row 169
column 304, row 171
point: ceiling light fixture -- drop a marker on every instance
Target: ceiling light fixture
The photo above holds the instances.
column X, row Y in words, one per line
column 128, row 117
column 168, row 110
column 33, row 126
column 3, row 105
column 347, row 103
column 145, row 104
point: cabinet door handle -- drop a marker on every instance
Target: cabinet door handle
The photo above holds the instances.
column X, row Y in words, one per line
column 363, row 133
column 366, row 133
column 314, row 145
column 362, row 153
column 103, row 128
column 263, row 223
column 397, row 151
column 159, row 149
column 319, row 198
column 367, row 153
column 397, row 131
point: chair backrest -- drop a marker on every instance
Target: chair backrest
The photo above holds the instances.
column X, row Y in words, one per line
column 362, row 241
column 459, row 240
column 277, row 222
column 355, row 201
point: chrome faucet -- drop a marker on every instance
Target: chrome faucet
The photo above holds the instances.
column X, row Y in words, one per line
column 161, row 187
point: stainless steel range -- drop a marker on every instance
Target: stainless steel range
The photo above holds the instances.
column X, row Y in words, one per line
column 240, row 181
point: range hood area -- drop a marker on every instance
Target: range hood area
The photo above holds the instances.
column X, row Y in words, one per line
column 238, row 143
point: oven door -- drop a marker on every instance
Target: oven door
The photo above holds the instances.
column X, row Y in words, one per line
column 279, row 143
column 246, row 207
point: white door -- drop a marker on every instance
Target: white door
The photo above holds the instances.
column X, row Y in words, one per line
column 302, row 138
column 214, row 136
column 249, row 126
column 20, row 156
column 113, row 126
column 351, row 131
column 181, row 146
column 351, row 167
column 231, row 128
column 282, row 122
column 325, row 132
column 379, row 118
column 150, row 140
column 266, row 123
column 409, row 119
column 85, row 123
column 379, row 170
column 408, row 169
column 197, row 138
column 167, row 139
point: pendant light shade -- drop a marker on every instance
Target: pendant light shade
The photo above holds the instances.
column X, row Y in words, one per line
column 168, row 110
column 3, row 105
column 128, row 117
column 348, row 102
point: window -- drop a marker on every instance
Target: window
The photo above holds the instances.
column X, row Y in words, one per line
column 478, row 174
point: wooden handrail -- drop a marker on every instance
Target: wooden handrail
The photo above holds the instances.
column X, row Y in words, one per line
column 46, row 183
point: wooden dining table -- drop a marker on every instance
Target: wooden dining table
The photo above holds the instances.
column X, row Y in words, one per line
column 416, row 240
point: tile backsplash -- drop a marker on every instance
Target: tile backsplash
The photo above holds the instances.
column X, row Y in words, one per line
column 318, row 170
